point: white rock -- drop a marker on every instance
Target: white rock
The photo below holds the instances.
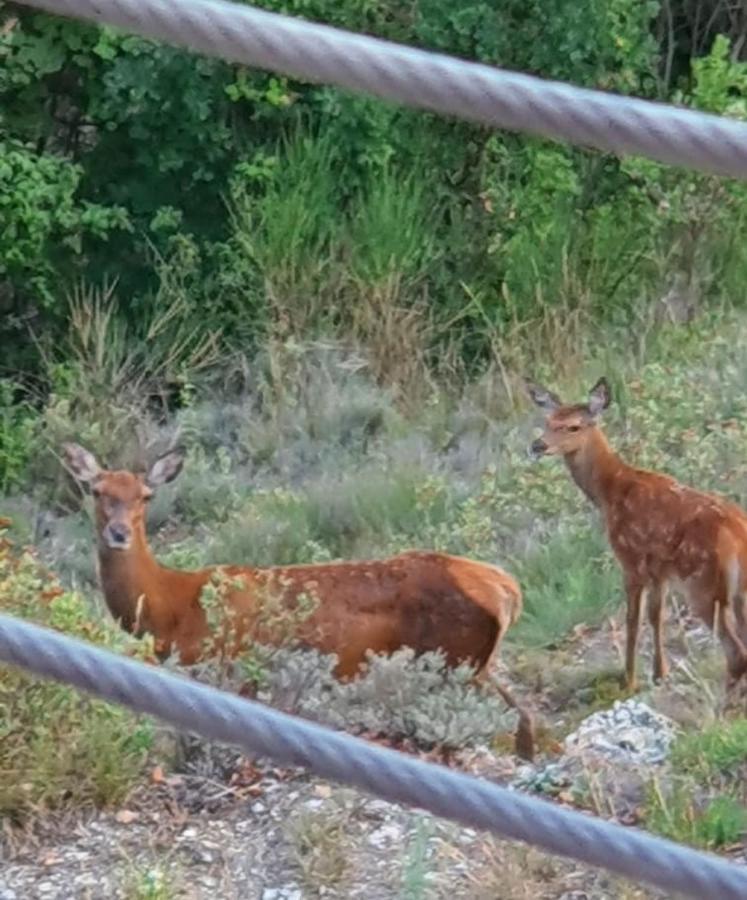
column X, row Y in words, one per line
column 384, row 835
column 630, row 732
column 289, row 892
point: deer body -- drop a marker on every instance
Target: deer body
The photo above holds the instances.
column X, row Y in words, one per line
column 661, row 532
column 426, row 601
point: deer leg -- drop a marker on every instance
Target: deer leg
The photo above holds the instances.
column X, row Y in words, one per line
column 731, row 643
column 634, row 590
column 740, row 611
column 486, row 670
column 656, row 600
column 525, row 731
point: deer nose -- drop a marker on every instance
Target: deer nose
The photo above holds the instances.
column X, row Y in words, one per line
column 117, row 535
column 538, row 448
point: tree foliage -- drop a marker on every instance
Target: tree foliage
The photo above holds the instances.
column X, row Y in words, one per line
column 123, row 158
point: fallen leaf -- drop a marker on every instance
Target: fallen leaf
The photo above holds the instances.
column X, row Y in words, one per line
column 157, row 776
column 323, row 790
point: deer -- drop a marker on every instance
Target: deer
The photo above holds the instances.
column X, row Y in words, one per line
column 427, row 601
column 662, row 533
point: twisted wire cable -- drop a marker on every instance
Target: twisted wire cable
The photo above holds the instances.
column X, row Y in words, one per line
column 262, row 731
column 426, row 80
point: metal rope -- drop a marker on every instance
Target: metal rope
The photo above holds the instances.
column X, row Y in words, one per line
column 426, row 80
column 263, row 731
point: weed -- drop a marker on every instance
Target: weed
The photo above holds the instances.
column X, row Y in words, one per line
column 415, row 867
column 57, row 746
column 719, row 749
column 706, row 822
column 286, row 231
column 320, row 844
column 17, row 435
column 705, row 802
column 149, row 883
column 510, row 871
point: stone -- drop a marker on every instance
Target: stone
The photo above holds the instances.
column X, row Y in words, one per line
column 385, row 835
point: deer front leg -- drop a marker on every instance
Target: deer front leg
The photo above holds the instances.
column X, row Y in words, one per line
column 656, row 600
column 634, row 592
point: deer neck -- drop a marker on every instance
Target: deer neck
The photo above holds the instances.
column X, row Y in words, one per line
column 594, row 467
column 126, row 576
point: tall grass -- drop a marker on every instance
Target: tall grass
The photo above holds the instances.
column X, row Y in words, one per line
column 568, row 580
column 285, row 225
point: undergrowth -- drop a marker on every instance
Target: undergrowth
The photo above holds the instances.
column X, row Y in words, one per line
column 359, row 477
column 704, row 801
column 57, row 746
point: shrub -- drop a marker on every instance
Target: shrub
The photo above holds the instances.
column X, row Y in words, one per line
column 58, row 747
column 18, row 423
column 399, row 697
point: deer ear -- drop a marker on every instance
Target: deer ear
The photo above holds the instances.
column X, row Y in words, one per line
column 81, row 463
column 542, row 397
column 600, row 397
column 165, row 468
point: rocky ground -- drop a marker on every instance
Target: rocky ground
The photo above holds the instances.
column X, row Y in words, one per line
column 297, row 838
column 261, row 833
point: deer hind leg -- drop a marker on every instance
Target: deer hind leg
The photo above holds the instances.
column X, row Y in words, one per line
column 634, row 591
column 525, row 741
column 727, row 619
column 656, row 608
column 740, row 611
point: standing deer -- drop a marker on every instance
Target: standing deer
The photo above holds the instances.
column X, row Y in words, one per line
column 660, row 531
column 425, row 601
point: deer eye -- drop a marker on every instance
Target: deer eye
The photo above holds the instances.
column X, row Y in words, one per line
column 574, row 428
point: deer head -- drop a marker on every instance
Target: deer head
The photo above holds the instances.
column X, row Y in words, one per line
column 120, row 497
column 567, row 426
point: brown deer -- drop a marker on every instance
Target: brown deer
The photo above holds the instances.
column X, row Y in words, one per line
column 425, row 601
column 661, row 532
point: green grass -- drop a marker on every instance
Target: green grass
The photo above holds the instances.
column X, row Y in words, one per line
column 567, row 580
column 286, row 476
column 719, row 821
column 313, row 463
column 719, row 749
column 151, row 883
column 705, row 804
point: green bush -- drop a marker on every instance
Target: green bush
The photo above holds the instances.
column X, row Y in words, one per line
column 279, row 207
column 18, row 423
column 58, row 747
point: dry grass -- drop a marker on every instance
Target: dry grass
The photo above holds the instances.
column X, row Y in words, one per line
column 321, row 846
